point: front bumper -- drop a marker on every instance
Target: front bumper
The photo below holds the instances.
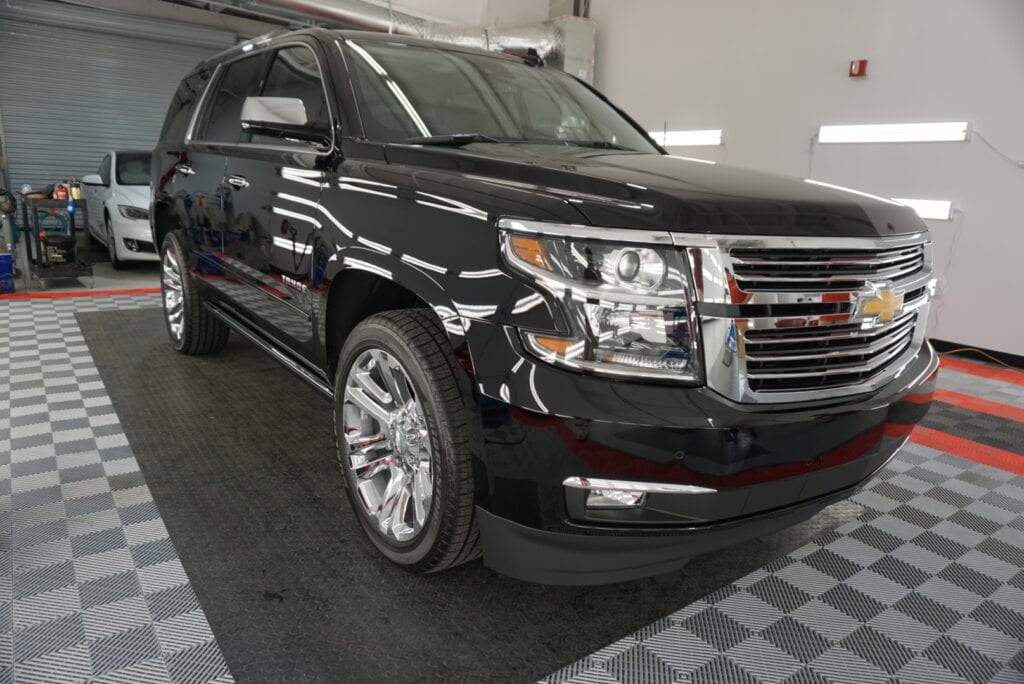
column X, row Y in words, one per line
column 618, row 555
column 767, row 466
column 136, row 231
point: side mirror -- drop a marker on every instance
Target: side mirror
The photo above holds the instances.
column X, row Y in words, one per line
column 281, row 117
column 92, row 179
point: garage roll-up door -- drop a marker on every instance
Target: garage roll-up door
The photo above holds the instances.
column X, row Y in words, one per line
column 77, row 82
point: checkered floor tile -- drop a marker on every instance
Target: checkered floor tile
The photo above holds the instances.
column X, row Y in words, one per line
column 91, row 587
column 925, row 585
column 987, row 388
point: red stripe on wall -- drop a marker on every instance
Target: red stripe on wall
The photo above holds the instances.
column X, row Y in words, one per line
column 983, row 370
column 980, row 405
column 84, row 293
column 965, row 448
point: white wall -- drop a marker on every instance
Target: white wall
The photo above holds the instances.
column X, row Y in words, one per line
column 461, row 12
column 515, row 12
column 769, row 73
column 476, row 12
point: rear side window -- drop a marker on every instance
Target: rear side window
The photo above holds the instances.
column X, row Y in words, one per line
column 183, row 104
column 294, row 73
column 239, row 80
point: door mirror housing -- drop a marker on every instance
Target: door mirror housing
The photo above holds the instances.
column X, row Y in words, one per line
column 270, row 110
column 92, row 179
column 281, row 117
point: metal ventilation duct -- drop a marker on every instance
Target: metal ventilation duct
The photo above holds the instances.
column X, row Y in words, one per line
column 566, row 43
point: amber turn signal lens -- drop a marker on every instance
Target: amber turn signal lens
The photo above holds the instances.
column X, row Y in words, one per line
column 531, row 251
column 553, row 344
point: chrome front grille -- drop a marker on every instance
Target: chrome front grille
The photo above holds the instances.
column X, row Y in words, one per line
column 771, row 270
column 818, row 358
column 793, row 319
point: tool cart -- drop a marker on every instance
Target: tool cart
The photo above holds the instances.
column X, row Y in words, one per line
column 56, row 238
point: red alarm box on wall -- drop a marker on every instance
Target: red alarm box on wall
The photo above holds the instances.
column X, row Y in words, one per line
column 858, row 68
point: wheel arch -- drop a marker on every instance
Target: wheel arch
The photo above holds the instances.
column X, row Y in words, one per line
column 163, row 218
column 381, row 288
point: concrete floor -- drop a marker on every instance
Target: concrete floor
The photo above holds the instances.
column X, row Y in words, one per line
column 137, row 275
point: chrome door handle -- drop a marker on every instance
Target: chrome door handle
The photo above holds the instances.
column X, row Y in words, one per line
column 184, row 170
column 237, row 181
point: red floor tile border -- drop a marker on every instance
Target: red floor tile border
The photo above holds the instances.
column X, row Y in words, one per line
column 89, row 293
column 965, row 448
column 980, row 405
column 983, row 370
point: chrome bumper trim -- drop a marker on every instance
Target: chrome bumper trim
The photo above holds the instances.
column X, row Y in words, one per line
column 589, row 483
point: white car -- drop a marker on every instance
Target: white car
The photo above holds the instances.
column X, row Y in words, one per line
column 117, row 200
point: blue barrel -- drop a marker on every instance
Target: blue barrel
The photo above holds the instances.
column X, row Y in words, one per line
column 6, row 273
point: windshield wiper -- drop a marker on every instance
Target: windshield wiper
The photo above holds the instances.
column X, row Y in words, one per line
column 451, row 139
column 599, row 144
column 460, row 139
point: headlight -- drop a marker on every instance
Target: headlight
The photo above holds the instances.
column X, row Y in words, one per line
column 629, row 304
column 134, row 213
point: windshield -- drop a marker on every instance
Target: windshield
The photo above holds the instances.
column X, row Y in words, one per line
column 409, row 93
column 133, row 168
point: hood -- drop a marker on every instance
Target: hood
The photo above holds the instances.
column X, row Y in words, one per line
column 663, row 192
column 133, row 195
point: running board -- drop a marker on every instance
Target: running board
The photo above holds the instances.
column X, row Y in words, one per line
column 278, row 355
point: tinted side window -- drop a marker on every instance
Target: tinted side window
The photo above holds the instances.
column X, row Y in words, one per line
column 105, row 170
column 239, row 80
column 183, row 104
column 294, row 73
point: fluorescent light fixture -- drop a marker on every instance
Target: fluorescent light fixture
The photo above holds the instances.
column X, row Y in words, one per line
column 688, row 138
column 939, row 210
column 902, row 132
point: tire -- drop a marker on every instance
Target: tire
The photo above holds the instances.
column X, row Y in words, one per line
column 118, row 264
column 415, row 340
column 93, row 240
column 200, row 331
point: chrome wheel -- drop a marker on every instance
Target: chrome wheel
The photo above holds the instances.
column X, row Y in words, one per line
column 174, row 301
column 387, row 445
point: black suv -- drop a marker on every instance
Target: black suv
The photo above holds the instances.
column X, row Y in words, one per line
column 547, row 340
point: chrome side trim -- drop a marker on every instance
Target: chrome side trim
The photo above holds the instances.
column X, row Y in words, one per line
column 278, row 355
column 588, row 483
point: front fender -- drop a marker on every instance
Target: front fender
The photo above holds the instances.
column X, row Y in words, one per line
column 459, row 298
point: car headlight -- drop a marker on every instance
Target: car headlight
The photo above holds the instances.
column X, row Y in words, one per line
column 134, row 213
column 629, row 304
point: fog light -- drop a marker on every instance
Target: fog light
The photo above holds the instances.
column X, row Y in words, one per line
column 615, row 498
column 132, row 245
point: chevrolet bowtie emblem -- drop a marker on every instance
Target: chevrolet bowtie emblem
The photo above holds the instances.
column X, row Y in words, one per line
column 883, row 304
